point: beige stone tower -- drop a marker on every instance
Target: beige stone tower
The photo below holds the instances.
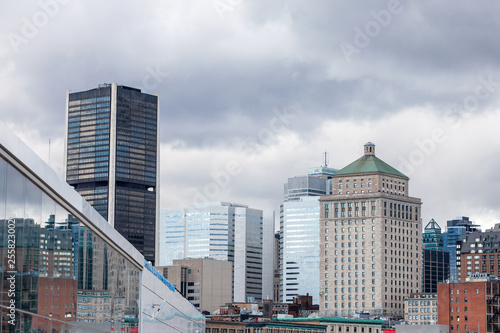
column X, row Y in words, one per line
column 370, row 232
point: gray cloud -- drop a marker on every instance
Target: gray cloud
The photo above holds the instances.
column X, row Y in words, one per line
column 221, row 79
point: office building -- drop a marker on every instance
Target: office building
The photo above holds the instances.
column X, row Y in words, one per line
column 455, row 229
column 299, row 249
column 436, row 261
column 370, row 240
column 206, row 283
column 71, row 271
column 470, row 306
column 435, row 269
column 432, row 237
column 223, row 231
column 112, row 158
column 421, row 309
column 317, row 182
column 299, row 234
column 479, row 253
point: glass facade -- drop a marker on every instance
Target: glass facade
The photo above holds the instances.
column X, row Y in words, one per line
column 455, row 229
column 65, row 269
column 87, row 166
column 63, row 275
column 300, row 249
column 112, row 158
column 299, row 234
column 435, row 269
column 222, row 231
column 432, row 238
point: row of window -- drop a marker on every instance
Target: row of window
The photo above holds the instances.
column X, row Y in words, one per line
column 349, row 305
column 355, row 185
column 422, row 303
column 422, row 317
column 422, row 310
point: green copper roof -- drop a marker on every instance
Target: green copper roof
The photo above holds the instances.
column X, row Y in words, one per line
column 369, row 164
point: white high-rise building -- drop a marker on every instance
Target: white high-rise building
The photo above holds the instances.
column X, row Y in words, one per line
column 299, row 234
column 224, row 231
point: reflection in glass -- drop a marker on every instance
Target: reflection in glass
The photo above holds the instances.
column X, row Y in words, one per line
column 66, row 278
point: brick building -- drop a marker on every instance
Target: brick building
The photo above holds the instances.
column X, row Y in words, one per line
column 471, row 306
column 479, row 253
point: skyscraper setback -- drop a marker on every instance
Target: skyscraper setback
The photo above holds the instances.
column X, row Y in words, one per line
column 112, row 158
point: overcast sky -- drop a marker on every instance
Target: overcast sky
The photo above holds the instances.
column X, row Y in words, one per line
column 253, row 92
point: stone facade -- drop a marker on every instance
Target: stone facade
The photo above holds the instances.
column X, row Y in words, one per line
column 206, row 283
column 370, row 234
column 421, row 309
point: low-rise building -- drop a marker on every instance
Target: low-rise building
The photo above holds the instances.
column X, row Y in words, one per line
column 471, row 306
column 421, row 309
column 341, row 325
column 214, row 326
column 421, row 328
column 207, row 283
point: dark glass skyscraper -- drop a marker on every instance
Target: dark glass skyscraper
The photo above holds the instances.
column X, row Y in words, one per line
column 112, row 158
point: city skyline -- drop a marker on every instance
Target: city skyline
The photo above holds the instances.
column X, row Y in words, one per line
column 255, row 93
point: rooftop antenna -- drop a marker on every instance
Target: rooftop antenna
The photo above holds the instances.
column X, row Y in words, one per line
column 326, row 160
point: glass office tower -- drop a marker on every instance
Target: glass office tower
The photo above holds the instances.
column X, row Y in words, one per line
column 455, row 229
column 299, row 233
column 112, row 158
column 223, row 231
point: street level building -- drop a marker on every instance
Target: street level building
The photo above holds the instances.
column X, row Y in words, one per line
column 470, row 306
column 422, row 328
column 112, row 158
column 370, row 240
column 206, row 283
column 341, row 325
column 223, row 231
column 421, row 309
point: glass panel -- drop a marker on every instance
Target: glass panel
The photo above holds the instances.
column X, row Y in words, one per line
column 61, row 277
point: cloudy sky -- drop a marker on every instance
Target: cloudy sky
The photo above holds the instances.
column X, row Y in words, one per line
column 253, row 92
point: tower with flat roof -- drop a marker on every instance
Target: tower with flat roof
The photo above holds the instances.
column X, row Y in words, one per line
column 299, row 233
column 112, row 158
